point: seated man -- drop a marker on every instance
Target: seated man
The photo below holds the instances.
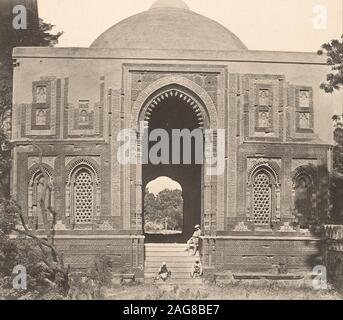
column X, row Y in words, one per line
column 193, row 242
column 197, row 269
column 163, row 273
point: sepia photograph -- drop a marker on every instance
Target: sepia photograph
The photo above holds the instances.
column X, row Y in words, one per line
column 171, row 150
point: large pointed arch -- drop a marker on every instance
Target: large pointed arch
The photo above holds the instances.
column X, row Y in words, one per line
column 203, row 106
column 194, row 91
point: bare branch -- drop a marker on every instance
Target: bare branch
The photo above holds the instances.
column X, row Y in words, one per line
column 40, row 242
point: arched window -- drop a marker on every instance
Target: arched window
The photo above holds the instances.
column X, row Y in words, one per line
column 303, row 202
column 263, row 195
column 82, row 193
column 262, row 198
column 35, row 189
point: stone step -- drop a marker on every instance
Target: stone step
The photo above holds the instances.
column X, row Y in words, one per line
column 170, row 264
column 167, row 254
column 178, row 261
column 179, row 282
column 164, row 245
column 159, row 259
column 185, row 269
column 174, row 276
column 166, row 249
column 170, row 261
column 172, row 250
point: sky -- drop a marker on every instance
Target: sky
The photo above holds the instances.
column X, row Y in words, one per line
column 162, row 183
column 281, row 25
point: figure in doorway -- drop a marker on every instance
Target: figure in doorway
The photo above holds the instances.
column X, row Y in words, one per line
column 197, row 269
column 193, row 242
column 163, row 273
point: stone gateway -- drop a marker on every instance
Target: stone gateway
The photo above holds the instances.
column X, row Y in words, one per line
column 171, row 68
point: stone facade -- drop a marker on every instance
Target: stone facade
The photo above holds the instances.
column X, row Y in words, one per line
column 73, row 103
column 263, row 254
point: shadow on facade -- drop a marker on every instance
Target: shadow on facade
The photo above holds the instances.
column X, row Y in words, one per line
column 317, row 213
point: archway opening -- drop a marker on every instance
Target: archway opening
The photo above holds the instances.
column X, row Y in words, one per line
column 175, row 110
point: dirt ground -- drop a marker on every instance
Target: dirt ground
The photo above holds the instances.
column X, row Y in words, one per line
column 238, row 290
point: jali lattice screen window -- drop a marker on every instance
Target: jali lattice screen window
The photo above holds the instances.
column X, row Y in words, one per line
column 83, row 191
column 262, row 198
column 83, row 196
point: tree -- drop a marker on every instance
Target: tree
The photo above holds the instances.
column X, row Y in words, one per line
column 39, row 255
column 336, row 187
column 44, row 264
column 334, row 52
column 164, row 209
column 51, row 258
column 37, row 34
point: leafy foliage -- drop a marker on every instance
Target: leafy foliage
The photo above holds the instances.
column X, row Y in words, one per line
column 91, row 283
column 42, row 276
column 164, row 209
column 11, row 38
column 338, row 147
column 336, row 187
column 334, row 52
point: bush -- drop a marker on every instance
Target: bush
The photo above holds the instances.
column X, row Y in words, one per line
column 90, row 284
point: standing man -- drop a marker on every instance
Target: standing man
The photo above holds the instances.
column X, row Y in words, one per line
column 193, row 242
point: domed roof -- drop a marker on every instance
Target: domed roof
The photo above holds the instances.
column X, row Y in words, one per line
column 169, row 24
column 170, row 4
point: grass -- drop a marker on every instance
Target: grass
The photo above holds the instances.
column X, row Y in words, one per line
column 236, row 290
